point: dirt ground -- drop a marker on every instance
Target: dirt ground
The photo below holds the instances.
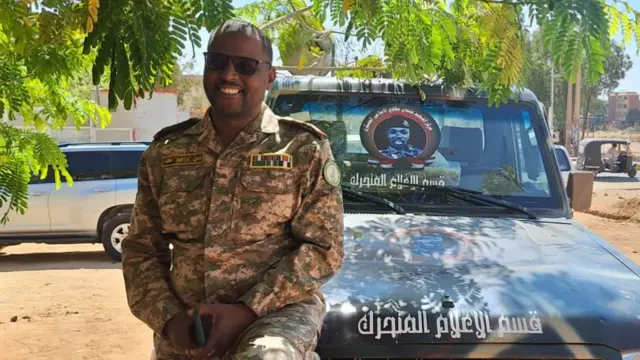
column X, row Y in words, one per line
column 70, row 304
column 67, row 302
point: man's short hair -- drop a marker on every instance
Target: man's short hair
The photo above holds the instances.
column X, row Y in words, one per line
column 244, row 27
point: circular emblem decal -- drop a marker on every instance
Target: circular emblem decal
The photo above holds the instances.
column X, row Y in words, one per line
column 432, row 244
column 331, row 173
column 399, row 136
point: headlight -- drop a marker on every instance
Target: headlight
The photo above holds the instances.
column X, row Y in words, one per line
column 631, row 355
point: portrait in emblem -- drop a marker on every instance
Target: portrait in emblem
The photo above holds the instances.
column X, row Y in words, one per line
column 400, row 137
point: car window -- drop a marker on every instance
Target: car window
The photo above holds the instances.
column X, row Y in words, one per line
column 35, row 179
column 563, row 160
column 384, row 144
column 125, row 163
column 98, row 165
column 89, row 165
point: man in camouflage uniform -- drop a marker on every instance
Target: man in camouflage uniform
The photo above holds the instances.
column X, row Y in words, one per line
column 252, row 205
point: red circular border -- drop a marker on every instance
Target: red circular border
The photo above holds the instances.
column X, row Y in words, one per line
column 420, row 117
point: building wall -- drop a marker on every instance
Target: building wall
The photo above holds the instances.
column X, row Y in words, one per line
column 619, row 106
column 193, row 99
column 140, row 123
column 147, row 116
column 160, row 108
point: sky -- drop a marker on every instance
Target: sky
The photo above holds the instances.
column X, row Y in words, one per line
column 630, row 83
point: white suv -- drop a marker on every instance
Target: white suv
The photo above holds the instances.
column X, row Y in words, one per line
column 97, row 208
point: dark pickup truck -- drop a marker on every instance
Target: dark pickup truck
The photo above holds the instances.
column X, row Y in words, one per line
column 459, row 237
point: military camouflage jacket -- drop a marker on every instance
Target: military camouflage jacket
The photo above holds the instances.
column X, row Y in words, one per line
column 259, row 222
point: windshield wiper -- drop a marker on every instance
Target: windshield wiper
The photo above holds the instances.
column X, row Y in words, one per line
column 358, row 195
column 474, row 196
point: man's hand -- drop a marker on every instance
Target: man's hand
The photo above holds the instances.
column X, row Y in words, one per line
column 229, row 321
column 177, row 330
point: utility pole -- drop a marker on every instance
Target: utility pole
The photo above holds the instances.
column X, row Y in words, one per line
column 576, row 112
column 568, row 117
column 572, row 118
column 92, row 130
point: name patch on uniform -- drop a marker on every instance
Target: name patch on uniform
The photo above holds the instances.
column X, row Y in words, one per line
column 271, row 161
column 183, row 159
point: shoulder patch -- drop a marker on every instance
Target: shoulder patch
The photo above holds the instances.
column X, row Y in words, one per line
column 175, row 128
column 331, row 173
column 305, row 125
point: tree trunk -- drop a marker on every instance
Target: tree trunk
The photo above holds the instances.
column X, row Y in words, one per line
column 586, row 112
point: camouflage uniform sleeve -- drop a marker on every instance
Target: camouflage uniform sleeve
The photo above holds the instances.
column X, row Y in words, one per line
column 146, row 258
column 318, row 225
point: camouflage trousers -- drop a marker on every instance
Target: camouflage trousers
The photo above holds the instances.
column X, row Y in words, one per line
column 288, row 334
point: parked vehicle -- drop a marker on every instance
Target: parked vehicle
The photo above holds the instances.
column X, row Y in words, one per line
column 564, row 161
column 97, row 208
column 459, row 237
column 590, row 157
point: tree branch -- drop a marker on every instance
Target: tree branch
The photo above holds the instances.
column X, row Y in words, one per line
column 15, row 80
column 507, row 2
column 284, row 18
column 332, row 68
column 302, row 21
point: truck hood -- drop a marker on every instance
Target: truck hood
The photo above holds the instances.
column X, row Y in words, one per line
column 412, row 279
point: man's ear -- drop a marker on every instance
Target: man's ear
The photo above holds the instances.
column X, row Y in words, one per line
column 271, row 77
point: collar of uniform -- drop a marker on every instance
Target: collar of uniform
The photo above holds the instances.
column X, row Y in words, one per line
column 267, row 122
column 207, row 133
column 201, row 126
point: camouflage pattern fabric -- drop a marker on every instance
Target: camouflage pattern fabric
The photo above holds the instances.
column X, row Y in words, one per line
column 269, row 237
column 286, row 334
column 290, row 333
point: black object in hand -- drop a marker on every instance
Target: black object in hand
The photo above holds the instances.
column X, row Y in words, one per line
column 200, row 328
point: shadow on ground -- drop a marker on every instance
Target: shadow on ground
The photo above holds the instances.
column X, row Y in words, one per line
column 616, row 179
column 56, row 261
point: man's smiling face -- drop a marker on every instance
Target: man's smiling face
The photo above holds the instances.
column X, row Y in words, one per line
column 398, row 137
column 231, row 86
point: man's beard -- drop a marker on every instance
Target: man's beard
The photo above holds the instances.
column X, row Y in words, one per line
column 220, row 108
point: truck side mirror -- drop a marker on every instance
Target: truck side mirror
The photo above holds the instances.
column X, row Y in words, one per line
column 580, row 189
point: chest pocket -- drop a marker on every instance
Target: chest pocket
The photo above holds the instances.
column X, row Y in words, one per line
column 265, row 201
column 184, row 201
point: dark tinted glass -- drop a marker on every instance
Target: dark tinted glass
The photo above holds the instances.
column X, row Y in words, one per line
column 90, row 165
column 383, row 144
column 563, row 161
column 125, row 164
column 242, row 65
column 35, row 179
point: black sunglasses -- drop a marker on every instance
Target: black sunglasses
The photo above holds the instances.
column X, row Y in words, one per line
column 245, row 66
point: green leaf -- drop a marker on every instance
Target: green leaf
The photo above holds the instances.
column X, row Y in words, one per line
column 128, row 99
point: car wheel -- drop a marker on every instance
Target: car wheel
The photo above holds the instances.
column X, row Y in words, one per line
column 632, row 173
column 114, row 231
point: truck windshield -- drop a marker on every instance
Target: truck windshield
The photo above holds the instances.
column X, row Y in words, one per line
column 385, row 145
